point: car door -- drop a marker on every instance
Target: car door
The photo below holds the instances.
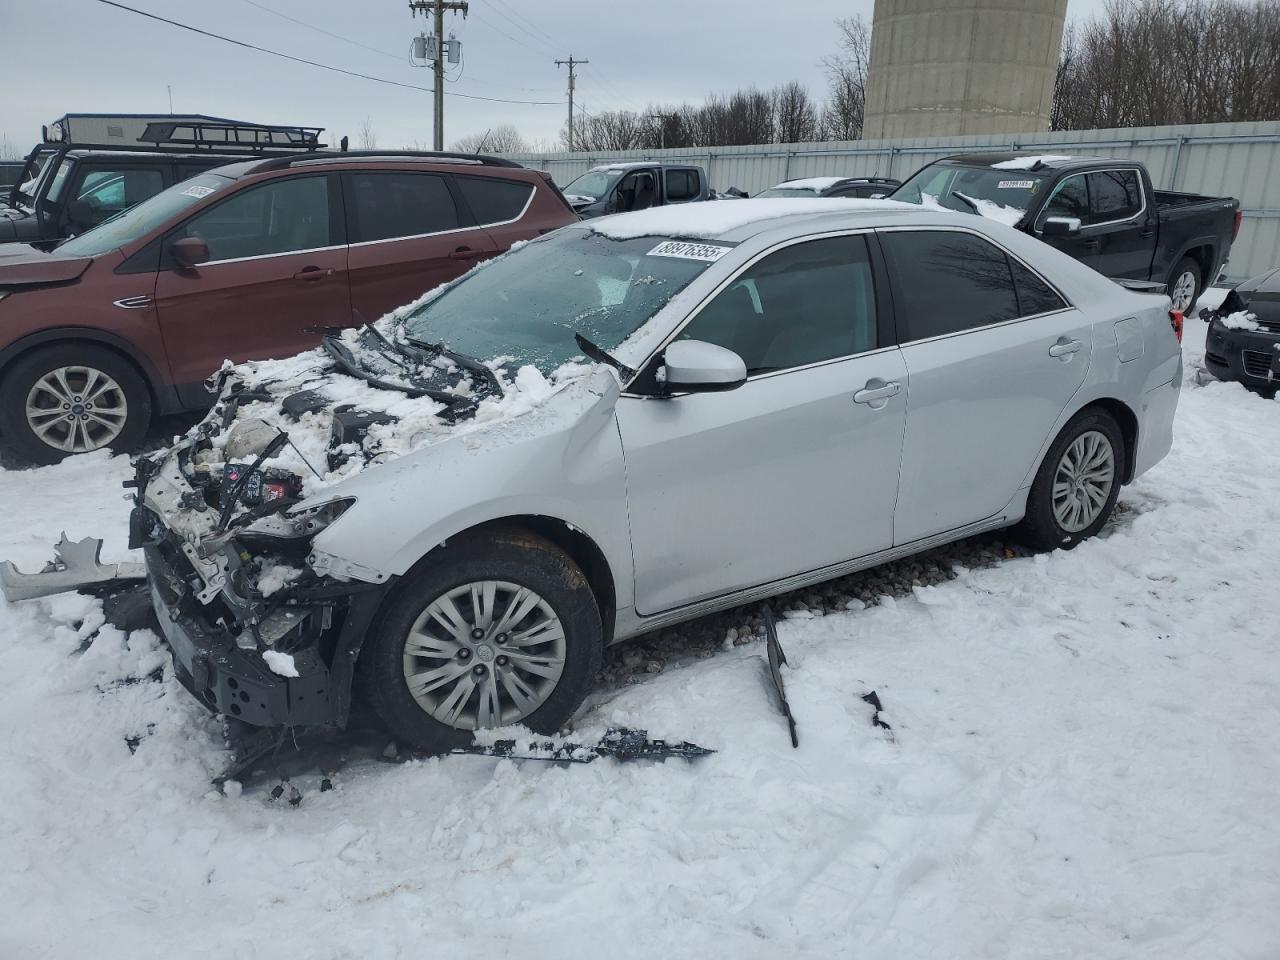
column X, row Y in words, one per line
column 795, row 470
column 993, row 355
column 275, row 277
column 406, row 238
column 1122, row 224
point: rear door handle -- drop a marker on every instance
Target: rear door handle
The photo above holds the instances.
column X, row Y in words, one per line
column 877, row 392
column 1065, row 347
column 313, row 273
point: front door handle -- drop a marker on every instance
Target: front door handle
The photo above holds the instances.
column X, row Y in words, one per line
column 1065, row 348
column 465, row 253
column 877, row 392
column 313, row 273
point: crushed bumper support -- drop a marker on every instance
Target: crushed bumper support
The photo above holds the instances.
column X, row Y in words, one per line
column 76, row 564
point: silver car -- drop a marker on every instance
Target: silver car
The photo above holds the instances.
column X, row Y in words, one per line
column 626, row 424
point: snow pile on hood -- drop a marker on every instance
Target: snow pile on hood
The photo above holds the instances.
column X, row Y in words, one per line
column 705, row 220
column 1240, row 320
column 1026, row 163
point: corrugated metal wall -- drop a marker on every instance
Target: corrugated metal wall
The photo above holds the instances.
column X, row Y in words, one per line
column 1221, row 159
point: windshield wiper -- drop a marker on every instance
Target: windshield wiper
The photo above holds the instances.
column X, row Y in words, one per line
column 461, row 359
column 592, row 352
column 960, row 196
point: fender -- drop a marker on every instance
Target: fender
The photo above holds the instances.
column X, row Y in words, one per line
column 166, row 396
column 1161, row 274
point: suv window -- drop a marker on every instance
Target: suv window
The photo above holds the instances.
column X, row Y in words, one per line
column 1070, row 199
column 391, row 205
column 1114, row 195
column 947, row 281
column 808, row 302
column 681, row 185
column 494, row 201
column 107, row 192
column 281, row 216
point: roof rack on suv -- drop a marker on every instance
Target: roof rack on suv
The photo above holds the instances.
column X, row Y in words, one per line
column 209, row 135
column 355, row 155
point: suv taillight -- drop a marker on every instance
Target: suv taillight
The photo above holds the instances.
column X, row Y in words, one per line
column 1235, row 227
column 1175, row 319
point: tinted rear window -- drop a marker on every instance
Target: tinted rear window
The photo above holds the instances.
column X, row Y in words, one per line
column 391, row 205
column 494, row 201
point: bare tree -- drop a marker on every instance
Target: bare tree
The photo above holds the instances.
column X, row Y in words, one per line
column 503, row 138
column 847, row 78
column 795, row 116
column 367, row 139
column 8, row 149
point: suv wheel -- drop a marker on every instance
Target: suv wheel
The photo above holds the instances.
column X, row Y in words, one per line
column 1077, row 485
column 1184, row 286
column 492, row 630
column 72, row 398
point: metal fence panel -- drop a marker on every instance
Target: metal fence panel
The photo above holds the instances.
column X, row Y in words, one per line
column 1219, row 159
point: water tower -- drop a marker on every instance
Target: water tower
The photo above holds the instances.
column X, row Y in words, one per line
column 952, row 67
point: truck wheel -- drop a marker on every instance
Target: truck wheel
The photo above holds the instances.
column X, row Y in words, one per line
column 491, row 630
column 1076, row 488
column 72, row 398
column 1185, row 285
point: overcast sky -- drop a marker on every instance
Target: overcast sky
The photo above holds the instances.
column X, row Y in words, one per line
column 67, row 56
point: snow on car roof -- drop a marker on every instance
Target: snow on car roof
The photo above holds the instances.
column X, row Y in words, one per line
column 1026, row 163
column 812, row 183
column 715, row 218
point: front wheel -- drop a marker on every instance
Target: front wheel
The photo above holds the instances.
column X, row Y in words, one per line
column 1078, row 483
column 490, row 631
column 72, row 398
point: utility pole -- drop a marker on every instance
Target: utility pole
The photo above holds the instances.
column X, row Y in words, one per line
column 662, row 119
column 437, row 9
column 573, row 76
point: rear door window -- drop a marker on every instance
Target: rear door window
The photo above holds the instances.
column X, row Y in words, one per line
column 388, row 206
column 278, row 217
column 947, row 282
column 682, row 185
column 494, row 201
column 1034, row 295
column 808, row 302
column 1114, row 195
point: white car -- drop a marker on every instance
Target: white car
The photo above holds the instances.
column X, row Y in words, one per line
column 629, row 423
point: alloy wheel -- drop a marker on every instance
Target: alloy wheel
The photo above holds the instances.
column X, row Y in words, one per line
column 1083, row 481
column 484, row 654
column 1184, row 290
column 76, row 409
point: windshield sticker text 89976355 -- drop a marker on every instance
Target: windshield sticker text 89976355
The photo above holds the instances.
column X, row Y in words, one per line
column 685, row 250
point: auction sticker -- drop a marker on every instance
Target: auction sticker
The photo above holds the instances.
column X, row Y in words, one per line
column 689, row 251
column 1016, row 184
column 197, row 191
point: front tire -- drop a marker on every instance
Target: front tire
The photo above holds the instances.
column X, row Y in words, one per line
column 72, row 398
column 490, row 630
column 1076, row 487
column 1185, row 286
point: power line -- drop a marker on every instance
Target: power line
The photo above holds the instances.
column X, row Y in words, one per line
column 311, row 26
column 314, row 63
column 533, row 29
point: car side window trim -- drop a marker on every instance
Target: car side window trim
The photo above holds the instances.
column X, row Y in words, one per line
column 1104, row 223
column 877, row 280
column 461, row 201
column 949, row 228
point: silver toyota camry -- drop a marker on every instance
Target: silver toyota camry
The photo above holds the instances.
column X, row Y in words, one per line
column 629, row 423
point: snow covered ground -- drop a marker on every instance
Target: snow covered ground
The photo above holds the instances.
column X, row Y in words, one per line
column 1084, row 764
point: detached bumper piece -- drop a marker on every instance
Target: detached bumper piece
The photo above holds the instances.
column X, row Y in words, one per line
column 75, row 565
column 620, row 743
column 234, row 681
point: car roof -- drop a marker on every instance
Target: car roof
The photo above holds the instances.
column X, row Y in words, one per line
column 1048, row 160
column 333, row 159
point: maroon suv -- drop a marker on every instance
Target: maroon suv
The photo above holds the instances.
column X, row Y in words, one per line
column 248, row 261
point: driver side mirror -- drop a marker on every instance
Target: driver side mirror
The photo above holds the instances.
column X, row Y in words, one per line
column 1060, row 226
column 80, row 213
column 695, row 366
column 188, row 252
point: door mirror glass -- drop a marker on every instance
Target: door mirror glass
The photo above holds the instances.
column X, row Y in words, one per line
column 1061, row 226
column 189, row 251
column 698, row 366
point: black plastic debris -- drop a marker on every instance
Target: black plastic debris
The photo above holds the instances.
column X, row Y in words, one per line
column 620, row 743
column 873, row 698
column 776, row 660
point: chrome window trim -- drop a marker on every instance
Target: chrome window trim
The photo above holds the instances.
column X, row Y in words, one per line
column 443, row 233
column 1105, row 223
column 268, row 256
column 723, row 285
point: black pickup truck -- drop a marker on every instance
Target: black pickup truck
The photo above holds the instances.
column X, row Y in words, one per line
column 1099, row 210
column 69, row 183
column 636, row 185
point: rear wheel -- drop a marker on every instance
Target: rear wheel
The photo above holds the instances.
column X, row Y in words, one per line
column 492, row 630
column 73, row 398
column 1078, row 483
column 1185, row 285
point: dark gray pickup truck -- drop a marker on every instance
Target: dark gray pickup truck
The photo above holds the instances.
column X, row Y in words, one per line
column 636, row 185
column 1102, row 211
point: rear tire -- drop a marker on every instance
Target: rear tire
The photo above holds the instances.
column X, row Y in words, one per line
column 72, row 398
column 1077, row 485
column 429, row 676
column 1185, row 286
